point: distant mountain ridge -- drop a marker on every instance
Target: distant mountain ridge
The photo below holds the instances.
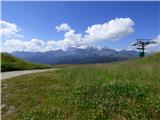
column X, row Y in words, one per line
column 76, row 55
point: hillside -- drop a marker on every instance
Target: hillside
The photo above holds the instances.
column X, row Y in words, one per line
column 127, row 90
column 11, row 63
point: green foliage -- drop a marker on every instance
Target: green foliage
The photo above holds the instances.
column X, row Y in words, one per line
column 118, row 91
column 11, row 63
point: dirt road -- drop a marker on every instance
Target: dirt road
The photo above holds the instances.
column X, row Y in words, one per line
column 6, row 75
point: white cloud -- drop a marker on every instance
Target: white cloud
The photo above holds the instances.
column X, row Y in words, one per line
column 63, row 27
column 14, row 45
column 23, row 45
column 157, row 39
column 72, row 39
column 156, row 45
column 8, row 29
column 112, row 30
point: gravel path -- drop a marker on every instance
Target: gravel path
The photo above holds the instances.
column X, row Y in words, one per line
column 6, row 75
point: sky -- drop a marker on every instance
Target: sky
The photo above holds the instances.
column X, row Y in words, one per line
column 44, row 26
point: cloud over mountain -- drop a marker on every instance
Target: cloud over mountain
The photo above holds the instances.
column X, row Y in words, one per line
column 112, row 30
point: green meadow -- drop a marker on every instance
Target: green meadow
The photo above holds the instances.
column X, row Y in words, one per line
column 128, row 90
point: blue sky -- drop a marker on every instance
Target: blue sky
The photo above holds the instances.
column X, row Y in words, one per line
column 38, row 19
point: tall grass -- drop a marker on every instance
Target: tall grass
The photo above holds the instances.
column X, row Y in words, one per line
column 117, row 91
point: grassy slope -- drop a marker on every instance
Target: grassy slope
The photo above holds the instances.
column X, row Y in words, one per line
column 117, row 91
column 10, row 63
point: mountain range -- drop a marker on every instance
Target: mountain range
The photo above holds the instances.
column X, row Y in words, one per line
column 76, row 55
